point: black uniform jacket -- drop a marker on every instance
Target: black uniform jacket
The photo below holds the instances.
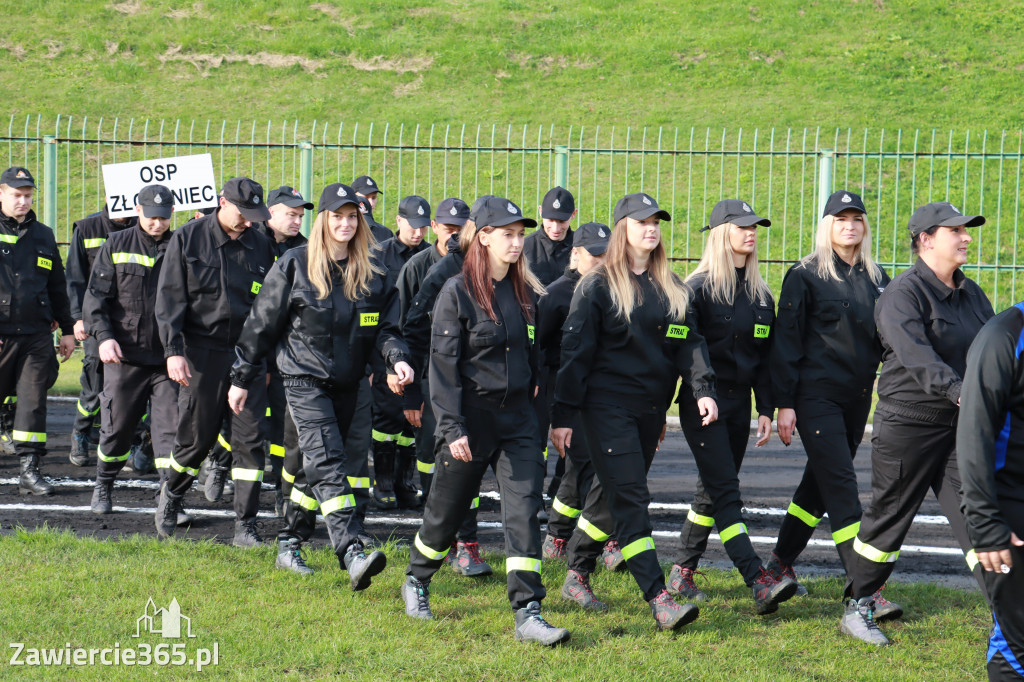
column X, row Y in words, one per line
column 926, row 329
column 281, row 247
column 121, row 299
column 328, row 340
column 825, row 344
column 552, row 309
column 475, row 360
column 990, row 433
column 208, row 284
column 88, row 235
column 411, row 277
column 33, row 291
column 738, row 337
column 393, row 254
column 610, row 362
column 547, row 259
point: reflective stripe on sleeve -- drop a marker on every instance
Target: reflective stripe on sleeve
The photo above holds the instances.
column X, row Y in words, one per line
column 699, row 520
column 802, row 514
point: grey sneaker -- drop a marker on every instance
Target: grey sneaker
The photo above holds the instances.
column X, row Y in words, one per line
column 611, row 557
column 361, row 568
column 670, row 615
column 531, row 627
column 101, row 503
column 885, row 609
column 246, row 535
column 769, row 592
column 289, row 557
column 680, row 584
column 468, row 562
column 577, row 588
column 167, row 512
column 780, row 570
column 859, row 622
column 417, row 598
column 553, row 548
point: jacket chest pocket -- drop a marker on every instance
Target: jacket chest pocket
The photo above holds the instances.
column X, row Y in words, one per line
column 315, row 315
column 131, row 282
column 943, row 328
column 763, row 321
column 257, row 273
column 43, row 262
column 367, row 319
column 204, row 278
column 828, row 313
column 5, row 307
column 486, row 334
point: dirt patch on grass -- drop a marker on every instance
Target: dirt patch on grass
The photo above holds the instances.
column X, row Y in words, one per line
column 195, row 12
column 406, row 89
column 397, row 64
column 332, row 12
column 688, row 60
column 17, row 51
column 53, row 49
column 131, row 7
column 549, row 64
column 204, row 62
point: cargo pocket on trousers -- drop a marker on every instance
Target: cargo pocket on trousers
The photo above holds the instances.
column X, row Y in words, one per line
column 886, row 482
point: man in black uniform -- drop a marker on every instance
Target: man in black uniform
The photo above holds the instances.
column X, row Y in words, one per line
column 367, row 193
column 990, row 452
column 89, row 234
column 118, row 314
column 213, row 270
column 33, row 297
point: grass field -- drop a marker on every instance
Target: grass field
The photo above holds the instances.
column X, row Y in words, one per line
column 269, row 624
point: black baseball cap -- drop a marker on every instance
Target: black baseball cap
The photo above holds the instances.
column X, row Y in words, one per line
column 156, row 201
column 364, row 185
column 638, row 206
column 16, row 176
column 843, row 201
column 498, row 212
column 364, row 205
column 941, row 213
column 593, row 237
column 736, row 212
column 452, row 211
column 416, row 210
column 289, row 196
column 478, row 205
column 247, row 196
column 558, row 204
column 335, row 196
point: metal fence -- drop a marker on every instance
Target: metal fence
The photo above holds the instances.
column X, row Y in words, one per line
column 784, row 174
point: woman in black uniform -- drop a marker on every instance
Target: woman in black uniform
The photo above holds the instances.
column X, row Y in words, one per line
column 324, row 308
column 927, row 319
column 482, row 376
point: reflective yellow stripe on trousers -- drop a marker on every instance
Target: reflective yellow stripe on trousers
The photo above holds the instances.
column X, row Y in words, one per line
column 337, row 503
column 872, row 554
column 428, row 552
column 591, row 530
column 804, row 515
column 699, row 520
column 636, row 547
column 732, row 531
column 564, row 509
column 107, row 458
column 247, row 474
column 424, row 467
column 276, row 450
column 179, row 468
column 844, row 534
column 29, row 436
column 304, row 501
column 522, row 563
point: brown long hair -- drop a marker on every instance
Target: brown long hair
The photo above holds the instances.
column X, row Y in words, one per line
column 321, row 267
column 477, row 271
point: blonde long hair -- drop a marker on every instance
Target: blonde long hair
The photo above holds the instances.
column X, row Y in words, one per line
column 321, row 266
column 625, row 293
column 822, row 261
column 717, row 263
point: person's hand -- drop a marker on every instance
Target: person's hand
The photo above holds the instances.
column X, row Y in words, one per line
column 536, row 390
column 177, row 369
column 66, row 347
column 236, row 398
column 661, row 438
column 764, row 430
column 414, row 417
column 785, row 424
column 80, row 334
column 708, row 409
column 460, row 449
column 561, row 439
column 401, row 378
column 994, row 561
column 110, row 352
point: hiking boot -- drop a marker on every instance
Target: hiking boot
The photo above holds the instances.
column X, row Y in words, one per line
column 79, row 455
column 384, row 474
column 554, row 548
column 611, row 557
column 289, row 557
column 184, row 518
column 449, row 558
column 417, row 598
column 780, row 570
column 361, row 567
column 279, row 503
column 32, row 481
column 167, row 512
column 214, row 486
column 680, row 584
column 859, row 622
column 141, row 461
column 770, row 592
column 246, row 534
column 670, row 615
column 101, row 493
column 577, row 588
column 468, row 561
column 885, row 609
column 531, row 627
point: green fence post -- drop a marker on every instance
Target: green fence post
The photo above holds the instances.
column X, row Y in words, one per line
column 306, row 181
column 561, row 165
column 826, row 162
column 50, row 182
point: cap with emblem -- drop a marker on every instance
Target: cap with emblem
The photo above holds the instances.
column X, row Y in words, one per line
column 499, row 212
column 843, row 201
column 16, row 176
column 452, row 211
column 416, row 210
column 941, row 213
column 478, row 206
column 247, row 196
column 558, row 204
column 365, row 185
column 335, row 196
column 593, row 237
column 638, row 206
column 156, row 201
column 736, row 212
column 289, row 196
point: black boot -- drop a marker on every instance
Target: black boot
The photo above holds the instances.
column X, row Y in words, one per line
column 405, row 468
column 167, row 508
column 101, row 494
column 384, row 474
column 79, row 455
column 426, row 478
column 32, row 481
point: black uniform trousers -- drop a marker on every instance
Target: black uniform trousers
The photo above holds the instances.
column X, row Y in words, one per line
column 202, row 407
column 28, row 368
column 277, row 407
column 1006, row 642
column 542, row 406
column 127, row 389
column 831, row 431
column 908, row 456
column 506, row 440
column 92, row 383
column 594, row 525
column 291, row 469
column 358, row 439
column 567, row 503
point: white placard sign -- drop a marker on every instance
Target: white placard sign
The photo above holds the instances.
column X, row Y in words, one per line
column 190, row 179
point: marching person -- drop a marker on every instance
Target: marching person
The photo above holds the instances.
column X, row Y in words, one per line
column 927, row 319
column 368, row 192
column 325, row 309
column 118, row 310
column 33, row 302
column 990, row 454
column 481, row 380
column 213, row 269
